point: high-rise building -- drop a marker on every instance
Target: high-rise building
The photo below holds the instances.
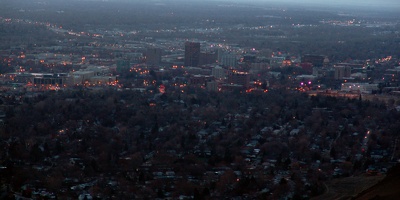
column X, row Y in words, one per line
column 228, row 60
column 153, row 56
column 192, row 54
column 342, row 72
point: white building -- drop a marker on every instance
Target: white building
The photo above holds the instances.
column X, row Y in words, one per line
column 342, row 72
column 359, row 75
column 227, row 60
column 359, row 87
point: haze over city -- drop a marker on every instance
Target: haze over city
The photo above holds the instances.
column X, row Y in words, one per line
column 217, row 99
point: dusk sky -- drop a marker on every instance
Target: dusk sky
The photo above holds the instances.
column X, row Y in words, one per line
column 378, row 4
column 373, row 4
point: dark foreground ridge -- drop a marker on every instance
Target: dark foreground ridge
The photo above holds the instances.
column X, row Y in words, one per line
column 388, row 188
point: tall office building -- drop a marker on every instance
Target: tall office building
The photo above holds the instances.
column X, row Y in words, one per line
column 228, row 60
column 153, row 56
column 192, row 54
column 342, row 72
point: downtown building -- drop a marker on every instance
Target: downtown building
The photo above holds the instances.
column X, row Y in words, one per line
column 192, row 54
column 239, row 78
column 342, row 72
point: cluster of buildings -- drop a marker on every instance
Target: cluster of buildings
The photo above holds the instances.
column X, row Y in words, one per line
column 215, row 69
column 252, row 69
column 90, row 61
column 90, row 76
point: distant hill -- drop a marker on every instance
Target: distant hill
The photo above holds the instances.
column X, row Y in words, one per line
column 387, row 189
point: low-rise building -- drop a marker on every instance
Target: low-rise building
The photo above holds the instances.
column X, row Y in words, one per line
column 359, row 87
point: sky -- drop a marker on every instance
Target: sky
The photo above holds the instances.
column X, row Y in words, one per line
column 354, row 2
column 378, row 4
column 373, row 4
